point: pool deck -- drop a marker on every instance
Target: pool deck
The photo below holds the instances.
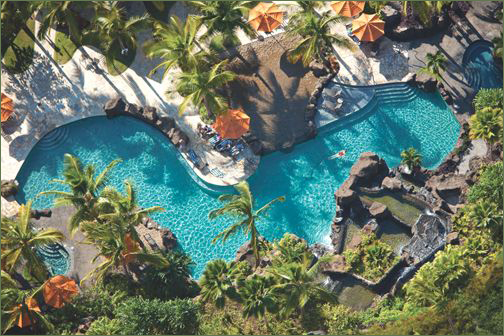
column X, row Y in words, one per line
column 49, row 95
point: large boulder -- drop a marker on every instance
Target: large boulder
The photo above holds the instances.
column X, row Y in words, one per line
column 426, row 82
column 345, row 196
column 379, row 210
column 150, row 114
column 9, row 188
column 369, row 169
column 256, row 147
column 114, row 107
column 318, row 69
column 165, row 124
column 392, row 183
column 178, row 137
column 168, row 238
column 391, row 16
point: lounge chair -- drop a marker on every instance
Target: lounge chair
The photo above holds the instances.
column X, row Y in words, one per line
column 223, row 145
column 217, row 173
column 214, row 141
column 152, row 243
column 194, row 157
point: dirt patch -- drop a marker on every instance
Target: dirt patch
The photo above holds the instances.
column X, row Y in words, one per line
column 272, row 91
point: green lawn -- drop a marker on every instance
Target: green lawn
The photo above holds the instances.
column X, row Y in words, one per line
column 19, row 56
column 65, row 48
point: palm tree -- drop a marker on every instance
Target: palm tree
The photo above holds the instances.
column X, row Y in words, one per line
column 242, row 206
column 298, row 283
column 20, row 241
column 224, row 18
column 201, row 88
column 411, row 158
column 257, row 297
column 316, row 35
column 115, row 235
column 435, row 64
column 175, row 43
column 61, row 13
column 216, row 284
column 486, row 124
column 116, row 32
column 425, row 9
column 84, row 190
column 309, row 6
column 485, row 214
column 497, row 42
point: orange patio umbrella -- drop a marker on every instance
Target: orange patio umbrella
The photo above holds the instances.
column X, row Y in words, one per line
column 368, row 27
column 233, row 124
column 265, row 17
column 348, row 8
column 7, row 107
column 58, row 290
column 24, row 317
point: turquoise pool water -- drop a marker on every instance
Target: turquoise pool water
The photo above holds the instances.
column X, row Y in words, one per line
column 305, row 176
column 56, row 258
column 481, row 71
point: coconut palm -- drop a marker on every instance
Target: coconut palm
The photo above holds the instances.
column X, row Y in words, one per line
column 115, row 30
column 84, row 190
column 435, row 64
column 486, row 124
column 114, row 234
column 497, row 42
column 411, row 158
column 201, row 88
column 298, row 283
column 20, row 241
column 61, row 13
column 242, row 206
column 175, row 44
column 317, row 38
column 257, row 297
column 224, row 19
column 425, row 9
column 216, row 284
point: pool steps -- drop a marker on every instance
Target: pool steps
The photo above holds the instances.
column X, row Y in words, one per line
column 53, row 139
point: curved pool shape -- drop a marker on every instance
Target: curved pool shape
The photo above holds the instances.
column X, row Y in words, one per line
column 305, row 176
column 479, row 65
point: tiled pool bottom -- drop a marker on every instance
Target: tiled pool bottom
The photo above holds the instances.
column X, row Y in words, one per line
column 480, row 68
column 306, row 176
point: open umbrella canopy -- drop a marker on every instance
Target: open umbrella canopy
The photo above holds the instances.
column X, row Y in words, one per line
column 7, row 107
column 24, row 318
column 58, row 290
column 368, row 27
column 348, row 8
column 233, row 124
column 265, row 17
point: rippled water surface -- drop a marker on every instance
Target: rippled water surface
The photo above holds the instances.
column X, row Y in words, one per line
column 305, row 176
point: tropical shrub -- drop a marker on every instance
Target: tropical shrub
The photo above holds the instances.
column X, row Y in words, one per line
column 411, row 158
column 341, row 320
column 486, row 124
column 488, row 98
column 139, row 316
column 104, row 326
column 290, row 249
column 371, row 258
column 489, row 185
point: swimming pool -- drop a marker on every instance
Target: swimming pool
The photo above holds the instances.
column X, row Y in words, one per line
column 479, row 65
column 56, row 258
column 305, row 175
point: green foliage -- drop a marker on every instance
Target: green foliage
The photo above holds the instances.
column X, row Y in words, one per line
column 290, row 249
column 104, row 326
column 139, row 316
column 341, row 320
column 486, row 124
column 435, row 64
column 438, row 281
column 170, row 282
column 18, row 57
column 488, row 98
column 371, row 258
column 489, row 185
column 411, row 158
column 497, row 42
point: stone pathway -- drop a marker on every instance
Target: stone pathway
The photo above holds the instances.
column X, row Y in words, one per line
column 478, row 149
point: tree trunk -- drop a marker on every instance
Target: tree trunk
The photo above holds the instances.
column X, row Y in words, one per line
column 209, row 113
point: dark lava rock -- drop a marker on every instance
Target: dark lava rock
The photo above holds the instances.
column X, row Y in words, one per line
column 40, row 213
column 428, row 236
column 369, row 169
column 168, row 238
column 150, row 113
column 318, row 69
column 9, row 188
column 452, row 238
column 379, row 210
column 391, row 16
column 392, row 183
column 114, row 107
column 256, row 147
column 426, row 82
column 371, row 227
column 345, row 196
column 133, row 109
column 178, row 137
